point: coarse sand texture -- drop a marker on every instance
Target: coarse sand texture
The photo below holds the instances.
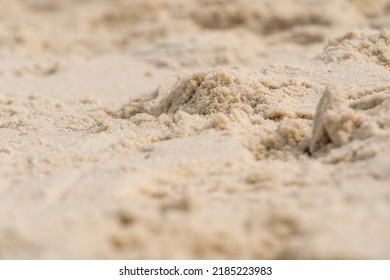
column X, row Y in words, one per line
column 140, row 129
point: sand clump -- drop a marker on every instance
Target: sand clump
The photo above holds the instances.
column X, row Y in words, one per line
column 359, row 126
column 223, row 90
column 365, row 46
column 197, row 130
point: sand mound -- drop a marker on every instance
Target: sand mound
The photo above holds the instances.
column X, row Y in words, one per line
column 210, row 92
column 364, row 46
column 222, row 90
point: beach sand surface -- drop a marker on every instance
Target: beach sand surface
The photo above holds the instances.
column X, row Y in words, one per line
column 196, row 129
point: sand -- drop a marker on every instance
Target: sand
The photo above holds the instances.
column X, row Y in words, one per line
column 194, row 129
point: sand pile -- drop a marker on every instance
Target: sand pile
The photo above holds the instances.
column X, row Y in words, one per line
column 364, row 46
column 210, row 129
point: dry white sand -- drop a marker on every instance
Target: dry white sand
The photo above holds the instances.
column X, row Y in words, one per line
column 195, row 129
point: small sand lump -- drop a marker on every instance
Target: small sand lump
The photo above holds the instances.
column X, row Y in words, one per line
column 364, row 46
column 218, row 90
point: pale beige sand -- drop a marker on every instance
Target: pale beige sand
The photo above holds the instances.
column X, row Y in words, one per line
column 195, row 129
